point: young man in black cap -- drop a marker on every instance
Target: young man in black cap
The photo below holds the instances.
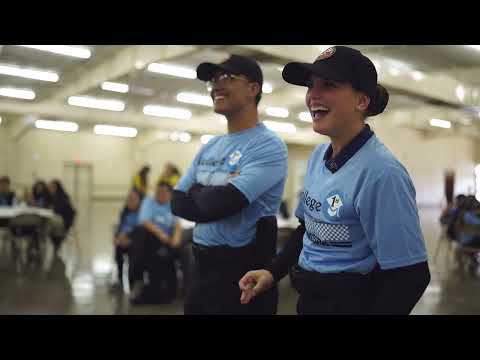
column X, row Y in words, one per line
column 232, row 191
column 359, row 248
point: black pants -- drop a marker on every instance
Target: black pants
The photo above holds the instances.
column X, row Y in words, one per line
column 214, row 286
column 149, row 254
column 332, row 294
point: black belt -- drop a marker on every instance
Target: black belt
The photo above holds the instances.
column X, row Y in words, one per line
column 309, row 282
column 223, row 254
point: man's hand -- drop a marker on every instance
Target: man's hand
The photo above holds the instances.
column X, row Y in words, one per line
column 254, row 283
column 162, row 235
column 122, row 240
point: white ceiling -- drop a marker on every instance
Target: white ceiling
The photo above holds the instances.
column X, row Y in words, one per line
column 444, row 68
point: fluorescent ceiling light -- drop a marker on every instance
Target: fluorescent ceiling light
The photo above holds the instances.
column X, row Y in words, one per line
column 113, row 86
column 441, row 123
column 17, row 93
column 56, row 125
column 185, row 137
column 28, row 73
column 115, row 130
column 394, row 71
column 305, row 116
column 476, row 47
column 0, row 119
column 193, row 98
column 139, row 65
column 168, row 112
column 281, row 126
column 206, row 138
column 178, row 71
column 94, row 103
column 460, row 92
column 418, row 75
column 267, row 88
column 277, row 112
column 73, row 51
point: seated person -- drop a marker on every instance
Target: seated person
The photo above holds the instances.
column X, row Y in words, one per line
column 449, row 214
column 127, row 223
column 41, row 196
column 159, row 231
column 468, row 229
column 7, row 197
column 65, row 213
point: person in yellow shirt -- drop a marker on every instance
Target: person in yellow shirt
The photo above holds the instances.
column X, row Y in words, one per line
column 170, row 175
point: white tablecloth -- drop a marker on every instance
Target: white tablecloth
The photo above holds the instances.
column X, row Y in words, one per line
column 8, row 212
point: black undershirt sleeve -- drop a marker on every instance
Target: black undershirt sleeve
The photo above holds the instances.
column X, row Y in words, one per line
column 208, row 203
column 398, row 290
column 289, row 255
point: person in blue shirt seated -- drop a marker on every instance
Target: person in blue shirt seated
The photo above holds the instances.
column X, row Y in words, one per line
column 359, row 248
column 121, row 241
column 41, row 195
column 152, row 241
column 468, row 228
column 7, row 197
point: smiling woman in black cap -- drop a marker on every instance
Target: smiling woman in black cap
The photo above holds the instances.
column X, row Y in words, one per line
column 359, row 248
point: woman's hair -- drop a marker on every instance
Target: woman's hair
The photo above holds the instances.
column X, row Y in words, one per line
column 40, row 184
column 60, row 189
column 174, row 169
column 378, row 102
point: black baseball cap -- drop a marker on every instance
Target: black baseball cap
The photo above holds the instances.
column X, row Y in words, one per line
column 343, row 64
column 236, row 65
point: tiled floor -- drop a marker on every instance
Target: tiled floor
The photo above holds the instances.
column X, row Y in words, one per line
column 77, row 281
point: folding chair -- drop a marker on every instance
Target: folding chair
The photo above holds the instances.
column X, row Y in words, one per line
column 28, row 239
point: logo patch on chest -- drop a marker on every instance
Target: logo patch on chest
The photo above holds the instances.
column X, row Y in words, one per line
column 335, row 202
column 234, row 158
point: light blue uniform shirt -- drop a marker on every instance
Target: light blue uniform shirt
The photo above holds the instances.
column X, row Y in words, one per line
column 129, row 221
column 255, row 162
column 361, row 214
column 159, row 214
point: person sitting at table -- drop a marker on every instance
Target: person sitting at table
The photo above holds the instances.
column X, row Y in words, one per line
column 7, row 196
column 41, row 196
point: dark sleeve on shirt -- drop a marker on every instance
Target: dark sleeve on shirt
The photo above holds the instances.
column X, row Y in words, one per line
column 398, row 290
column 289, row 255
column 208, row 203
column 123, row 215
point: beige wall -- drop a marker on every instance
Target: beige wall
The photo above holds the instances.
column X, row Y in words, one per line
column 3, row 150
column 427, row 157
column 41, row 153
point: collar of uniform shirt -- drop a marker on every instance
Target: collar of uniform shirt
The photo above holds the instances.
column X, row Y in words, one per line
column 348, row 151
